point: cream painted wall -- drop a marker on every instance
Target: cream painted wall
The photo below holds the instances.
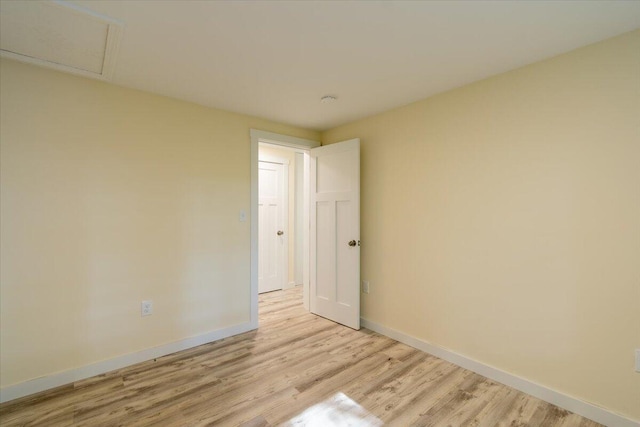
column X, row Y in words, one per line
column 501, row 220
column 288, row 154
column 110, row 196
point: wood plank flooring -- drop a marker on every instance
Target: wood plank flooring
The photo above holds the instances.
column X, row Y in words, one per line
column 297, row 369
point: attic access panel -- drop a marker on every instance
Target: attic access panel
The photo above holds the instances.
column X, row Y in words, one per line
column 59, row 35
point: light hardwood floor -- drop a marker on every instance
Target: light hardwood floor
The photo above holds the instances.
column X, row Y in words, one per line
column 297, row 369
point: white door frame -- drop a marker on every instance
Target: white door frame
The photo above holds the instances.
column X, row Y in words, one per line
column 298, row 217
column 258, row 136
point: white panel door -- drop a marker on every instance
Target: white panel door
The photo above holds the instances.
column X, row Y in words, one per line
column 335, row 232
column 271, row 239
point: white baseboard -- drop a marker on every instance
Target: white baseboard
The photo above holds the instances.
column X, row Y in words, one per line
column 66, row 377
column 580, row 407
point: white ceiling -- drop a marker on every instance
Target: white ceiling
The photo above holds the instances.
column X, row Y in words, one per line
column 276, row 59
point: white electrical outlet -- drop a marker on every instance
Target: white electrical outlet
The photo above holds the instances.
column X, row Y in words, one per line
column 637, row 359
column 146, row 308
column 365, row 287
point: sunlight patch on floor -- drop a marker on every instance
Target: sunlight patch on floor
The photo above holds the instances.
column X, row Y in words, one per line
column 338, row 410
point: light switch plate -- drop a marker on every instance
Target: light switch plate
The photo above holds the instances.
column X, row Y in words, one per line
column 365, row 286
column 146, row 308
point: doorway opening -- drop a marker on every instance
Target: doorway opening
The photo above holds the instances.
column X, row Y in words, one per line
column 280, row 245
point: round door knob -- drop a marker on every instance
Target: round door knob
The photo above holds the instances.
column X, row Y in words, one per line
column 280, row 233
column 352, row 243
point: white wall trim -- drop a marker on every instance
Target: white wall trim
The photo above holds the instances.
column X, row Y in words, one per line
column 570, row 403
column 286, row 140
column 298, row 218
column 272, row 159
column 253, row 210
column 306, row 202
column 285, row 225
column 66, row 377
